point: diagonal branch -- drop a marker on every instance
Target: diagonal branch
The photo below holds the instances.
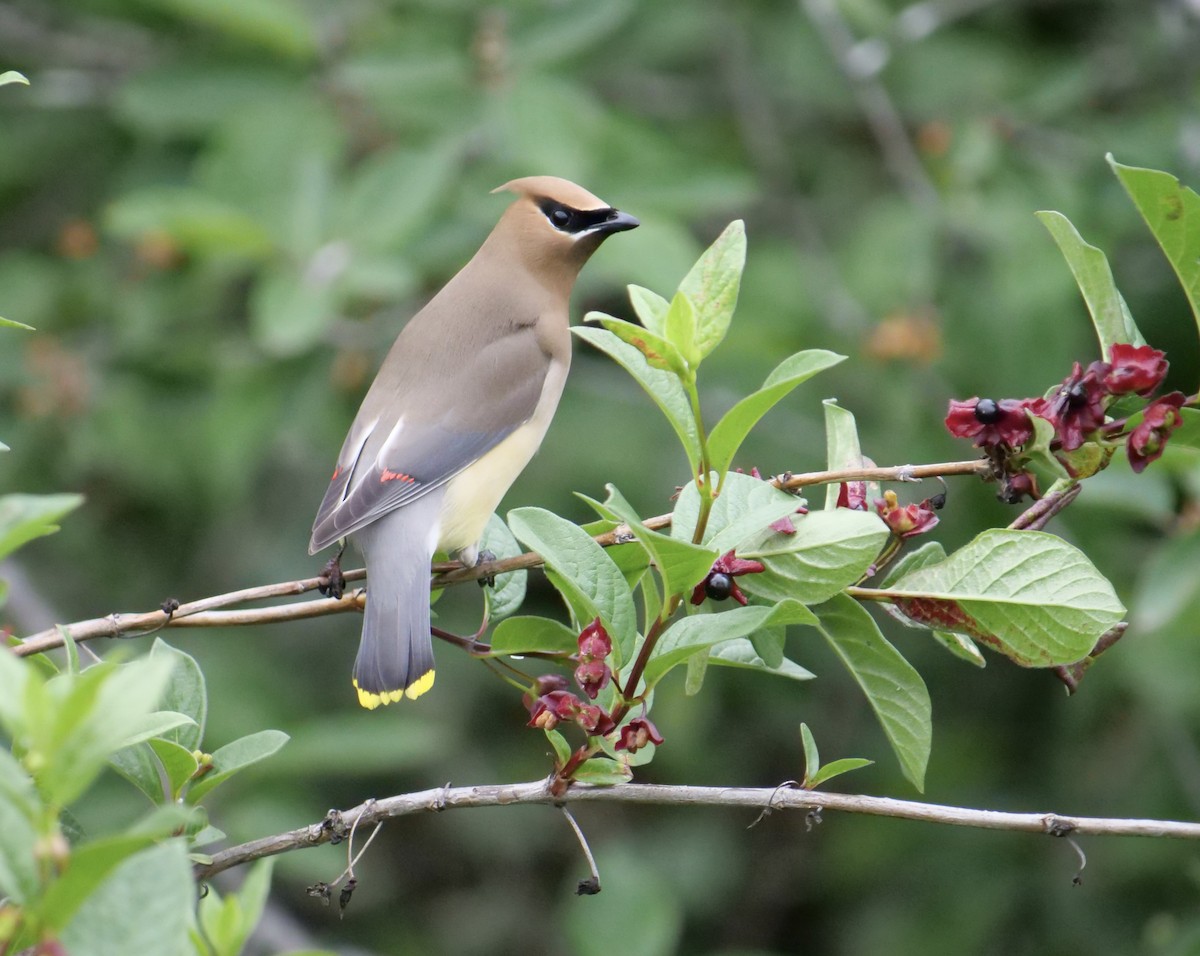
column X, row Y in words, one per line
column 207, row 612
column 749, row 798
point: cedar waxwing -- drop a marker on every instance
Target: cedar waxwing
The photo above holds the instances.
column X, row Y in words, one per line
column 458, row 408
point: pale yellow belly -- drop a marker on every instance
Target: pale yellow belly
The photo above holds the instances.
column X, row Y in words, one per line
column 473, row 494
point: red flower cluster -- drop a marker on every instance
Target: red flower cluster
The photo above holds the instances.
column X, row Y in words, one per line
column 1076, row 409
column 595, row 645
column 550, row 703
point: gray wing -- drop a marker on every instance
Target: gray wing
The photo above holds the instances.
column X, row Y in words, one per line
column 416, row 434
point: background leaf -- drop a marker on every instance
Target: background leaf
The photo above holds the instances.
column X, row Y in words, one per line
column 25, row 517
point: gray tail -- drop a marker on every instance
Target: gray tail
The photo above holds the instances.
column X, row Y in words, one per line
column 395, row 655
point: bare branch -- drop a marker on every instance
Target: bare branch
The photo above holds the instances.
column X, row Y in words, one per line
column 207, row 612
column 749, row 798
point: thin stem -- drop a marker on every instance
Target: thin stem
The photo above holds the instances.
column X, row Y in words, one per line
column 591, row 886
column 204, row 613
column 704, row 478
column 753, row 799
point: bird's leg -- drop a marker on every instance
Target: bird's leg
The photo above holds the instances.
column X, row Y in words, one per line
column 472, row 557
column 331, row 582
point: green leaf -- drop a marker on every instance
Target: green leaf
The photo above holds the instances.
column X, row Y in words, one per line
column 585, row 575
column 159, row 768
column 1089, row 266
column 651, row 308
column 525, row 635
column 712, row 286
column 729, row 433
column 931, row 552
column 11, row 324
column 1038, row 451
column 658, row 352
column 186, row 694
column 236, row 756
column 812, row 756
column 768, row 643
column 745, row 507
column 178, row 763
column 892, row 686
column 228, row 922
column 699, row 632
column 159, row 879
column 1028, row 594
column 681, row 563
column 156, row 724
column 20, row 814
column 278, row 26
column 289, row 311
column 1187, row 435
column 12, row 76
column 842, row 448
column 198, row 223
column 662, row 386
column 562, row 749
column 509, row 593
column 1172, row 211
column 961, row 647
column 93, row 715
column 91, row 865
column 834, row 769
column 25, row 517
column 830, row 550
column 679, row 326
column 395, row 194
column 741, row 652
column 697, row 667
column 602, row 772
column 15, row 675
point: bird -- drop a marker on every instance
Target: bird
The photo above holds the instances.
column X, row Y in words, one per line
column 459, row 407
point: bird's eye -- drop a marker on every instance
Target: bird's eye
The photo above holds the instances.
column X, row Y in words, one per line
column 561, row 217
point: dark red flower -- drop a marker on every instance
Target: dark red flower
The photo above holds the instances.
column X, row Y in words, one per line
column 594, row 642
column 905, row 520
column 1135, row 368
column 550, row 708
column 1148, row 440
column 1076, row 409
column 636, row 734
column 990, row 422
column 719, row 583
column 1018, row 486
column 592, row 677
column 541, row 687
column 852, row 495
column 594, row 720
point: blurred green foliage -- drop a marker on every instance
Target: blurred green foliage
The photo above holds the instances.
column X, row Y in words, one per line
column 218, row 214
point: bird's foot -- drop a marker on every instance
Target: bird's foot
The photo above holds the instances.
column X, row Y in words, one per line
column 486, row 557
column 331, row 582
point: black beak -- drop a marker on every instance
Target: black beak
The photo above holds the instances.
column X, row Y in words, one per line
column 617, row 221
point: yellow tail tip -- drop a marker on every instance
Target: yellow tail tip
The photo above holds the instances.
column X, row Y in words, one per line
column 371, row 700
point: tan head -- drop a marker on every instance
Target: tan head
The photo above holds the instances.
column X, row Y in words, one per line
column 555, row 225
